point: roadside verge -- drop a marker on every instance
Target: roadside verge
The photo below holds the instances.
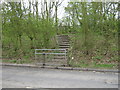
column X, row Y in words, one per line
column 62, row 68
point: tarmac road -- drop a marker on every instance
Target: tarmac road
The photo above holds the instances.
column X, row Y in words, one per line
column 25, row 77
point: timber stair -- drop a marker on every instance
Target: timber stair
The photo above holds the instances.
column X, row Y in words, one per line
column 63, row 43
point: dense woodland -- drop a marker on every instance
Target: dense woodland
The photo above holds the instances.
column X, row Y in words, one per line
column 92, row 27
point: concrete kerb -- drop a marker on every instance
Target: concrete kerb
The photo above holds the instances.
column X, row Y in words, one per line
column 62, row 68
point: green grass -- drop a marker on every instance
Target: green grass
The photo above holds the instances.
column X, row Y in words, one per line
column 105, row 65
column 13, row 61
column 94, row 65
column 9, row 61
column 18, row 61
column 97, row 57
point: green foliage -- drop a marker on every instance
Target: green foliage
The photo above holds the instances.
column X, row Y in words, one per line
column 97, row 57
column 95, row 38
column 92, row 27
column 13, row 61
column 105, row 65
column 23, row 32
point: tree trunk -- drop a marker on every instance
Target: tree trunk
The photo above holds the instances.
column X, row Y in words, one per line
column 85, row 27
column 56, row 19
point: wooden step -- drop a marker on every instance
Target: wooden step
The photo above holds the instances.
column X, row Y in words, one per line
column 64, row 43
column 59, row 61
column 64, row 46
column 63, row 38
column 62, row 35
column 59, row 58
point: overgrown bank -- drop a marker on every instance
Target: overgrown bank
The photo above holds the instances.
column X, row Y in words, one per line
column 92, row 27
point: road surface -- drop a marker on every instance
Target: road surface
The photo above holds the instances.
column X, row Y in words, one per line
column 25, row 77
